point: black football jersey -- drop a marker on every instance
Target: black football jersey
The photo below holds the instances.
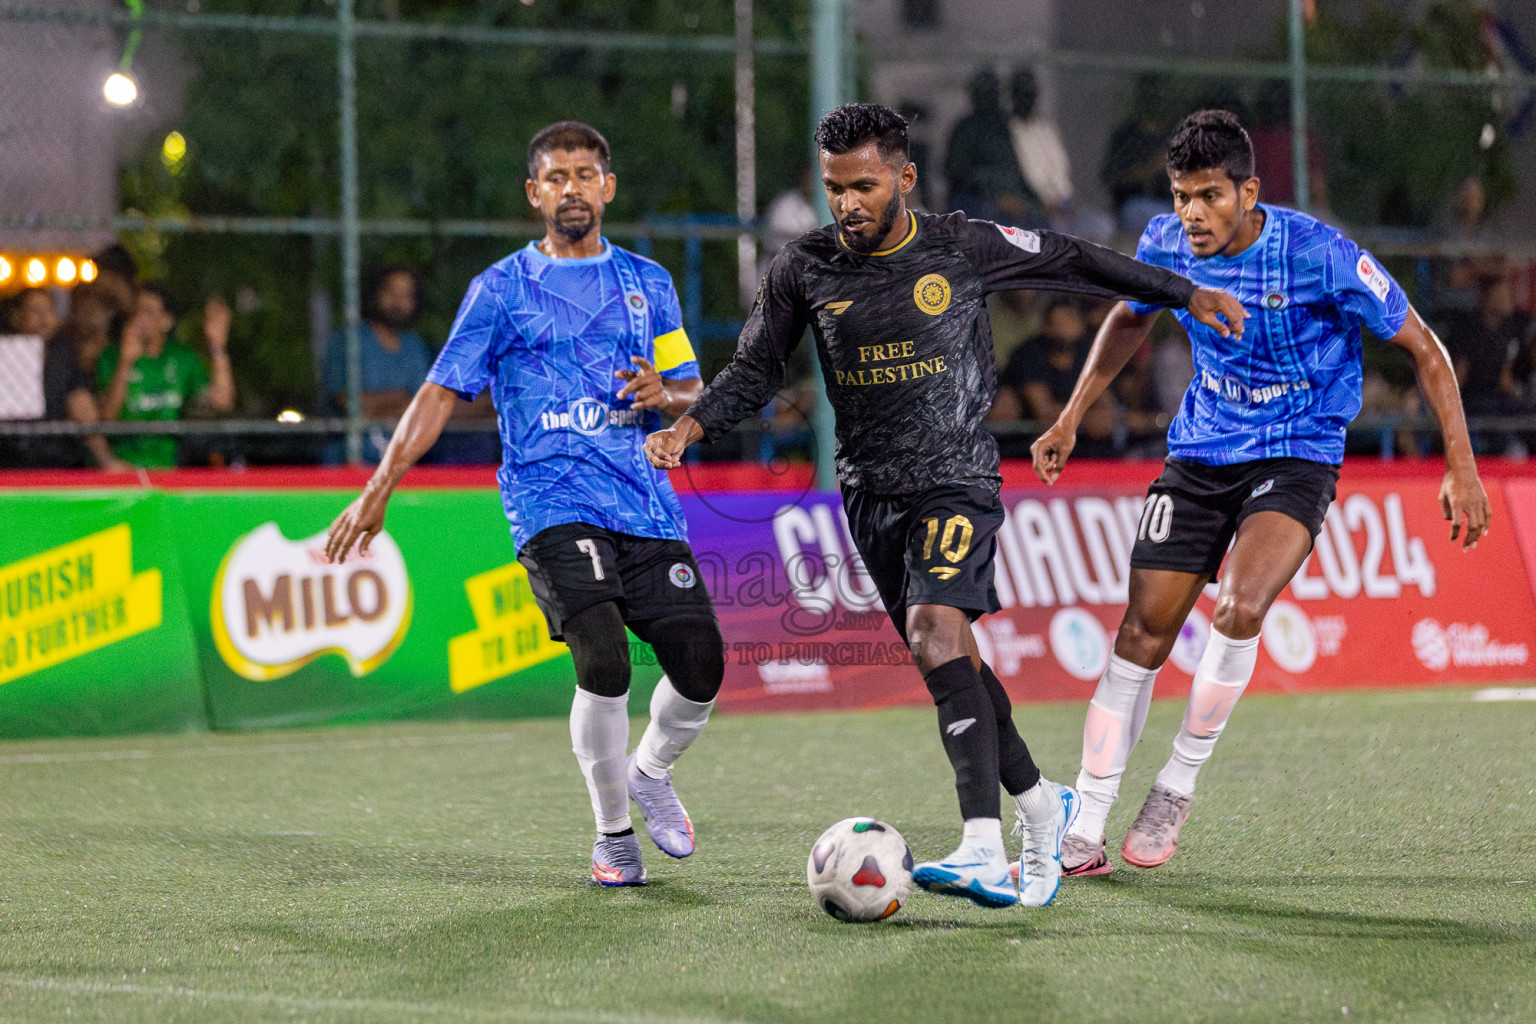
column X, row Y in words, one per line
column 904, row 340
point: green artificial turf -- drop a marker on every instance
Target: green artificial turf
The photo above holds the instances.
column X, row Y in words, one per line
column 1375, row 852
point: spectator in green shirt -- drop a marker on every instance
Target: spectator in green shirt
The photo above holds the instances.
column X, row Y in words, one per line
column 156, row 378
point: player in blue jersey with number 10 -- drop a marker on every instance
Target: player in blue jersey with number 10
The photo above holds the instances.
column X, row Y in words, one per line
column 553, row 330
column 1254, row 451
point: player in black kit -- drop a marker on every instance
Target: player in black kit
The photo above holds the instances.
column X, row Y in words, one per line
column 895, row 301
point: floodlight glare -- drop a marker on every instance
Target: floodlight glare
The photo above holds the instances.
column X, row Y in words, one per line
column 35, row 272
column 64, row 271
column 87, row 271
column 290, row 416
column 120, row 90
column 6, row 270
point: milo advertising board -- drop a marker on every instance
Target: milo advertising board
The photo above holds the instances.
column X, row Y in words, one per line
column 434, row 620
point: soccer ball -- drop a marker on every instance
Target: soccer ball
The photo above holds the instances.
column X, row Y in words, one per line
column 860, row 870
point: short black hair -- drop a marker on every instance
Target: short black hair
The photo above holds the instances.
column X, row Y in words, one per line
column 158, row 290
column 853, row 125
column 375, row 284
column 1211, row 139
column 116, row 259
column 567, row 135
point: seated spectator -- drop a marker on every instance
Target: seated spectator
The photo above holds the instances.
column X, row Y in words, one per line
column 1143, row 427
column 32, row 313
column 1493, row 350
column 151, row 377
column 791, row 214
column 393, row 362
column 1047, row 169
column 117, row 272
column 93, row 310
column 44, row 381
column 393, row 359
column 983, row 173
column 1043, row 370
column 1135, row 165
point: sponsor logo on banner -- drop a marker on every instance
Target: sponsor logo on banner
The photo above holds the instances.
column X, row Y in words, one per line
column 1329, row 630
column 1463, row 645
column 1080, row 643
column 791, row 676
column 1288, row 637
column 277, row 605
column 1189, row 645
column 510, row 633
column 1002, row 645
column 73, row 599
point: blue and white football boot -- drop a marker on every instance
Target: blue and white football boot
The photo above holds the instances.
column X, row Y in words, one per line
column 1039, row 866
column 973, row 872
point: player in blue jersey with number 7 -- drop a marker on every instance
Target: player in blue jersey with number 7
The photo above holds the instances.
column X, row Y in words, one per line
column 1254, row 454
column 582, row 346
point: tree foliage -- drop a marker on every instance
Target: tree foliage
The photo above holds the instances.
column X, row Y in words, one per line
column 443, row 129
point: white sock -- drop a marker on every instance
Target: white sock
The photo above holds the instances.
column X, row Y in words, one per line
column 984, row 834
column 1224, row 671
column 1038, row 803
column 600, row 739
column 1115, row 719
column 675, row 723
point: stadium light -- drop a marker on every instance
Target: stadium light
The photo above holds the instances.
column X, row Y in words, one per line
column 64, row 270
column 6, row 270
column 173, row 152
column 120, row 90
column 290, row 416
column 87, row 271
column 35, row 272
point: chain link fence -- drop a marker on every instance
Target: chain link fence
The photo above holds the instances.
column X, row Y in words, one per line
column 275, row 152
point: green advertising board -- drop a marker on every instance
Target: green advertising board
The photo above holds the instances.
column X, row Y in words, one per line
column 94, row 637
column 228, row 615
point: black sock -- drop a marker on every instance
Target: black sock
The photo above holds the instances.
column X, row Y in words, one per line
column 968, row 727
column 1015, row 765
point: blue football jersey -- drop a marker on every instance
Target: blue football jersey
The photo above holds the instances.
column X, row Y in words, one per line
column 1291, row 384
column 546, row 335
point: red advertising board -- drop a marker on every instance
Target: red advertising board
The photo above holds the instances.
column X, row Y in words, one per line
column 1385, row 599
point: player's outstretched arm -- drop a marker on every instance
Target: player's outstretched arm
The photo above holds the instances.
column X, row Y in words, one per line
column 1462, row 497
column 417, row 431
column 1118, row 339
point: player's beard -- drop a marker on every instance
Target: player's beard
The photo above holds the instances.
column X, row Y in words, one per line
column 860, row 244
column 573, row 229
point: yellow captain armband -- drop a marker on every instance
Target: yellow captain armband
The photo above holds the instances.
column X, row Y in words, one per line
column 673, row 350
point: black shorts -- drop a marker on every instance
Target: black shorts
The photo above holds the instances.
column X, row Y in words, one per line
column 933, row 547
column 1192, row 509
column 575, row 566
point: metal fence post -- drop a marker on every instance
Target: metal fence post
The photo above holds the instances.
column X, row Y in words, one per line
column 351, row 269
column 829, row 54
column 746, row 155
column 1300, row 165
